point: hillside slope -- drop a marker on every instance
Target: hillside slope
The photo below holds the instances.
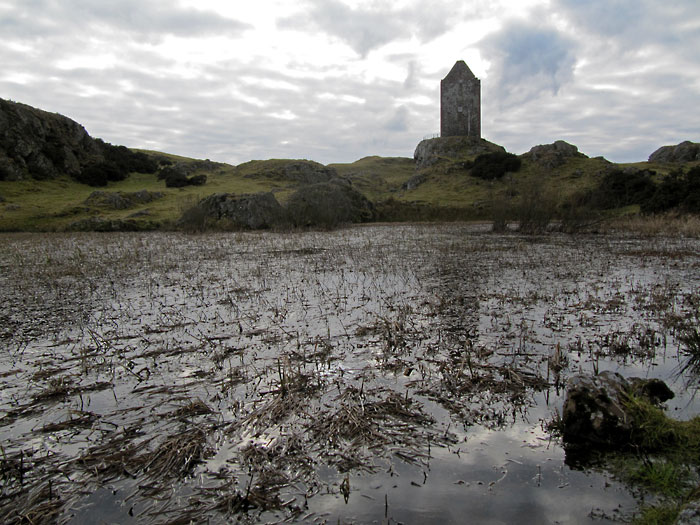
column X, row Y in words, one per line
column 44, row 159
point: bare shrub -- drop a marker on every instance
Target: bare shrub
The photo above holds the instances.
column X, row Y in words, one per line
column 194, row 218
column 536, row 210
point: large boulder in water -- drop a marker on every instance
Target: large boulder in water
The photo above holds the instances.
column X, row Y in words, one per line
column 328, row 204
column 250, row 211
column 684, row 152
column 594, row 410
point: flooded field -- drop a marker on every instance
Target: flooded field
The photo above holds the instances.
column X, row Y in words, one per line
column 378, row 374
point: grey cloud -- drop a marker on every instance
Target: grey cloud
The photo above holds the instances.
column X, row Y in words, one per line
column 205, row 116
column 399, row 120
column 361, row 30
column 528, row 61
column 144, row 20
column 368, row 29
column 640, row 20
column 630, row 25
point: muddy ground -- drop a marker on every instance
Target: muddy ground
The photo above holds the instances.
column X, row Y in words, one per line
column 378, row 374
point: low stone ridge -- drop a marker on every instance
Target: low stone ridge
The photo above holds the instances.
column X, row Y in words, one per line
column 684, row 152
column 250, row 211
column 594, row 410
column 118, row 200
column 100, row 224
column 303, row 171
column 39, row 144
column 432, row 151
column 553, row 155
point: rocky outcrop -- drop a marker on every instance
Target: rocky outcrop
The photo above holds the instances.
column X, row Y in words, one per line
column 553, row 155
column 430, row 152
column 119, row 200
column 328, row 204
column 302, row 171
column 251, row 211
column 414, row 182
column 35, row 143
column 43, row 145
column 594, row 410
column 684, row 152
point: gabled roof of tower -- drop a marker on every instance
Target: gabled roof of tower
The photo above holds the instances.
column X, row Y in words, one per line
column 460, row 69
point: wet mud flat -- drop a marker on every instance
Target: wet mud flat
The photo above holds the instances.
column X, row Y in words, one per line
column 377, row 374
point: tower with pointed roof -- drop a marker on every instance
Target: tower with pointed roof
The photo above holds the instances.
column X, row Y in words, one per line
column 460, row 103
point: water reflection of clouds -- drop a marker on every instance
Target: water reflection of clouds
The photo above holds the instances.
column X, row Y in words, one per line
column 389, row 311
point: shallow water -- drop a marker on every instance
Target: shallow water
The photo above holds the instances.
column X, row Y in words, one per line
column 375, row 374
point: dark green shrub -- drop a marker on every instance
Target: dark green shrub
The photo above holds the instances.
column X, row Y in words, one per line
column 623, row 188
column 100, row 174
column 118, row 162
column 678, row 191
column 177, row 178
column 197, row 180
column 494, row 165
column 126, row 160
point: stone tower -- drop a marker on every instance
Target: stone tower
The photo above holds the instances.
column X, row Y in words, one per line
column 460, row 103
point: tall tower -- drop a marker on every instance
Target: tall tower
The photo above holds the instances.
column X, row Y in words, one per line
column 460, row 103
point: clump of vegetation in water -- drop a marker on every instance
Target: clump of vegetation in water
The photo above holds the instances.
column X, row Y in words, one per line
column 664, row 463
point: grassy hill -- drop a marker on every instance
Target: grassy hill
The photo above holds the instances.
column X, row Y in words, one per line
column 446, row 190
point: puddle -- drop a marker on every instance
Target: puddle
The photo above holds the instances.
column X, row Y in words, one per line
column 388, row 374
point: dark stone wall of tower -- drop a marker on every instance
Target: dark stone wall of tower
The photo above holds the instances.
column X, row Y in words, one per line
column 460, row 103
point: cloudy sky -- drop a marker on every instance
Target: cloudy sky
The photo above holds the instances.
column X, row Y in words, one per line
column 337, row 80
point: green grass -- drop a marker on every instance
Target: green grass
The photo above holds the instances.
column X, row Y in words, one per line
column 448, row 191
column 51, row 205
column 378, row 178
column 666, row 464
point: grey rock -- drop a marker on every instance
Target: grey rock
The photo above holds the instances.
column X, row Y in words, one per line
column 250, row 211
column 329, row 204
column 553, row 155
column 594, row 410
column 308, row 172
column 122, row 200
column 141, row 213
column 690, row 514
column 414, row 182
column 684, row 152
column 430, row 152
column 303, row 171
column 40, row 144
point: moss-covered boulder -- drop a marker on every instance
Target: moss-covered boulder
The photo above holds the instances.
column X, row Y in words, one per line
column 328, row 204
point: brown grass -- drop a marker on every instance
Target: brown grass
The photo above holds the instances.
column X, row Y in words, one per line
column 657, row 225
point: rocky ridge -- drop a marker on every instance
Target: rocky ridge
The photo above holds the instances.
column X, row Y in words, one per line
column 39, row 144
column 684, row 152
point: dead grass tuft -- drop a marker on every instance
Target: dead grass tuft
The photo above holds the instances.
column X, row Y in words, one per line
column 656, row 225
